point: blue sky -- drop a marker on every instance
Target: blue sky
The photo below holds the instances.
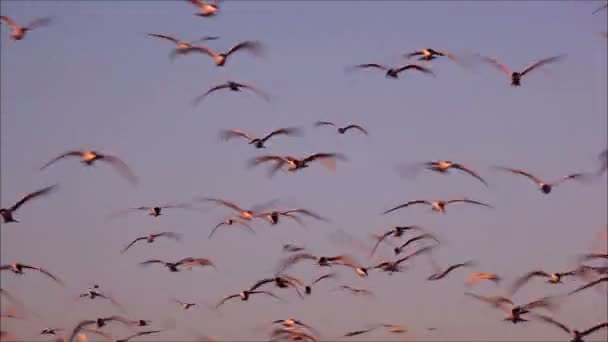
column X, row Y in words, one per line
column 93, row 79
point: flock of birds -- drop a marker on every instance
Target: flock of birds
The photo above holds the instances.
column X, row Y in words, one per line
column 423, row 243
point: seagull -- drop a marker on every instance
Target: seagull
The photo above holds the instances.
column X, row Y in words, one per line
column 586, row 286
column 477, row 276
column 516, row 76
column 99, row 322
column 232, row 86
column 273, row 216
column 544, row 187
column 514, row 311
column 323, row 261
column 230, row 222
column 18, row 32
column 308, row 288
column 355, row 291
column 396, row 232
column 394, row 72
column 18, row 268
column 220, row 58
column 51, row 331
column 207, row 9
column 184, row 305
column 394, row 266
column 552, row 278
column 438, row 206
column 258, row 142
column 181, row 45
column 7, row 213
column 577, row 336
column 152, row 237
column 88, row 157
column 341, row 130
column 244, row 296
column 186, row 262
column 442, row 274
column 428, row 54
column 443, row 166
column 243, row 214
column 295, row 164
column 399, row 249
column 94, row 292
column 154, row 211
column 281, row 281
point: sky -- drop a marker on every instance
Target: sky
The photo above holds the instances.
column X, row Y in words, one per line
column 94, row 80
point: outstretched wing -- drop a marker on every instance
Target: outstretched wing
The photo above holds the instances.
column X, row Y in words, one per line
column 324, row 123
column 536, row 180
column 525, row 278
column 9, row 21
column 232, row 133
column 132, row 243
column 541, row 63
column 415, row 67
column 162, row 36
column 466, row 200
column 470, row 172
column 38, row 23
column 251, row 46
column 594, row 329
column 356, row 127
column 199, row 98
column 282, row 131
column 45, row 272
column 32, row 195
column 406, row 205
column 372, row 66
column 61, row 156
column 121, row 167
column 550, row 320
column 497, row 65
column 225, row 203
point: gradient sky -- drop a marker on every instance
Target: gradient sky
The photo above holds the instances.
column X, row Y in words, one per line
column 93, row 79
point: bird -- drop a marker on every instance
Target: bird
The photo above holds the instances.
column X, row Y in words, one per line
column 207, row 8
column 322, row 261
column 273, row 216
column 438, row 206
column 281, row 281
column 185, row 262
column 399, row 249
column 443, row 167
column 395, row 266
column 355, row 291
column 552, row 278
column 292, row 248
column 291, row 334
column 515, row 311
column 94, row 292
column 244, row 296
column 232, row 86
column 231, row 222
column 99, row 322
column 588, row 285
column 7, row 213
column 544, row 187
column 394, row 72
column 51, row 331
column 295, row 164
column 254, row 47
column 308, row 288
column 440, row 274
column 181, row 45
column 150, row 238
column 475, row 277
column 392, row 328
column 576, row 335
column 154, row 211
column 18, row 268
column 258, row 142
column 429, row 54
column 88, row 157
column 293, row 323
column 342, row 130
column 515, row 75
column 184, row 305
column 396, row 231
column 18, row 32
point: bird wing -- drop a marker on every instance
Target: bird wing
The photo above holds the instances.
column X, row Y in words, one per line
column 379, row 239
column 304, row 212
column 266, row 293
column 290, row 261
column 541, row 63
column 230, row 205
column 415, row 67
column 231, row 133
column 360, row 332
column 251, row 46
column 419, row 237
column 413, row 254
column 550, row 320
column 9, row 21
column 198, row 262
column 325, row 276
column 121, row 167
column 260, row 283
column 322, row 157
column 595, row 328
column 141, row 333
column 495, row 301
column 61, row 156
column 470, row 172
column 604, row 6
column 521, row 172
column 413, row 54
column 225, row 299
column 45, row 272
column 455, row 266
column 32, row 195
column 497, row 65
column 202, row 49
column 586, row 286
column 371, row 65
column 526, row 277
column 323, row 123
column 132, row 243
column 170, row 235
column 206, row 38
column 199, row 98
column 162, row 36
column 356, row 127
column 574, row 176
column 282, row 131
column 406, row 205
column 38, row 23
column 149, row 262
column 254, row 90
column 279, row 162
column 466, row 200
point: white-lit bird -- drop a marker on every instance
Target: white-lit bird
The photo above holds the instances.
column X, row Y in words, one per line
column 295, row 164
column 220, row 59
column 258, row 142
column 438, row 205
column 18, row 32
column 88, row 157
column 544, row 187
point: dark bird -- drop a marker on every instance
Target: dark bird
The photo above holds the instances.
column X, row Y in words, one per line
column 545, row 187
column 392, row 328
column 154, row 211
column 88, row 157
column 341, row 130
column 206, row 8
column 244, row 296
column 355, row 291
column 295, row 164
column 186, row 262
column 220, row 59
column 232, row 86
column 7, row 213
column 395, row 266
column 51, row 331
column 552, row 278
column 152, row 237
column 396, row 232
column 323, row 261
column 308, row 288
column 440, row 274
column 281, row 281
column 181, row 47
column 516, row 76
column 18, row 32
column 231, row 222
column 273, row 216
column 291, row 248
column 437, row 206
column 576, row 335
column 429, row 54
column 258, row 142
column 99, row 322
column 443, row 166
column 394, row 72
column 586, row 286
column 184, row 305
column 94, row 292
column 18, row 268
column 515, row 311
column 430, row 236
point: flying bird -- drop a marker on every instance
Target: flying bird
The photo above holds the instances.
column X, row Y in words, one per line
column 231, row 222
column 94, row 292
column 516, row 76
column 322, row 261
column 430, row 236
column 394, row 72
column 258, row 142
column 429, row 54
column 281, row 281
column 184, row 305
column 88, row 157
column 152, row 237
column 604, row 6
column 243, row 214
column 396, row 232
column 154, row 211
column 308, row 288
column 440, row 274
column 294, row 164
column 438, row 206
column 355, row 291
column 576, row 335
column 206, row 8
column 99, row 322
column 515, row 311
column 232, row 86
column 395, row 266
column 443, row 167
column 51, row 331
column 552, row 278
column 291, row 248
column 181, row 46
column 341, row 130
column 7, row 213
column 18, row 32
column 392, row 328
column 273, row 216
column 220, row 59
column 18, row 268
column 185, row 262
column 475, row 277
column 544, row 187
column 244, row 296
